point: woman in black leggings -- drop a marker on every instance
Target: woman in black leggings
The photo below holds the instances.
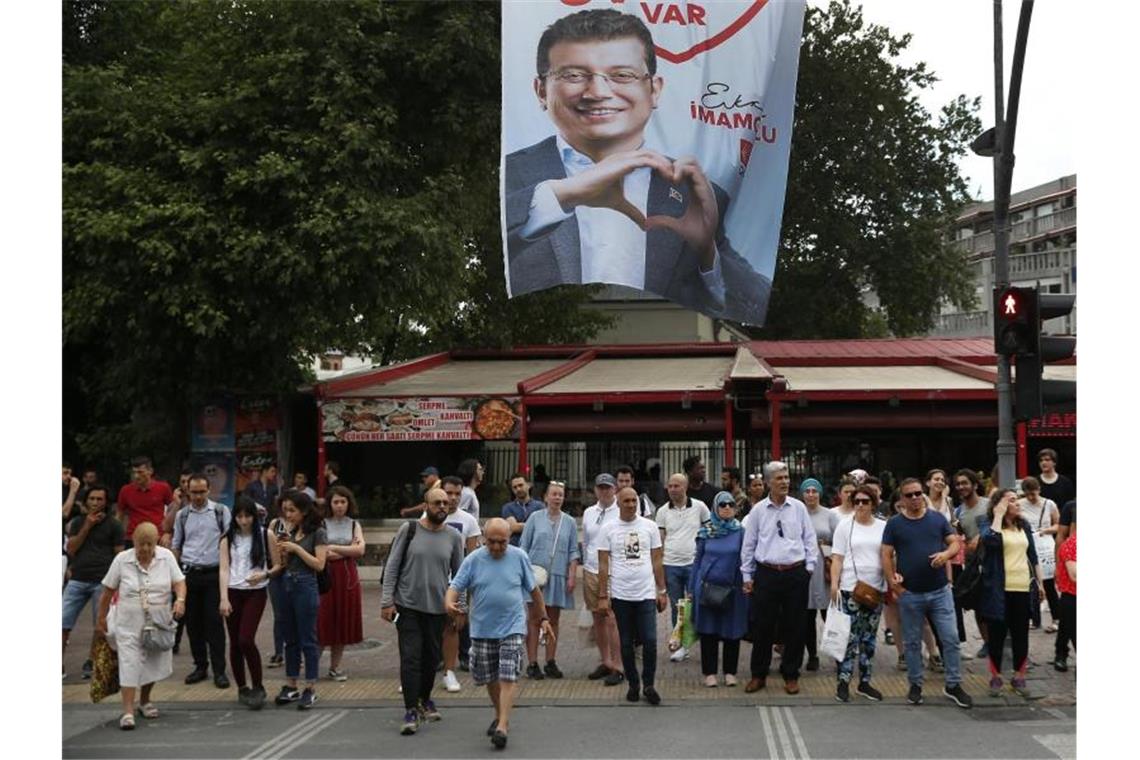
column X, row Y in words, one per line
column 1011, row 567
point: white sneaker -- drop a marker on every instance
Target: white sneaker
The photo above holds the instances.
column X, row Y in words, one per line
column 450, row 682
column 679, row 655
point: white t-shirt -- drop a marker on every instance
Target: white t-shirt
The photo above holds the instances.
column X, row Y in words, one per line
column 466, row 524
column 681, row 526
column 631, row 564
column 860, row 548
column 468, row 501
column 240, row 565
column 594, row 519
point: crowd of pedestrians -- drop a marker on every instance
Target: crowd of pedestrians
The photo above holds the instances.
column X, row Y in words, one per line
column 756, row 560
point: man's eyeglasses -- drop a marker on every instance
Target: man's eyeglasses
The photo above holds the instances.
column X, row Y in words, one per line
column 579, row 77
column 780, row 528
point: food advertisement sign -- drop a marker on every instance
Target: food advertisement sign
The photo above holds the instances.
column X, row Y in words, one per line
column 256, row 424
column 421, row 419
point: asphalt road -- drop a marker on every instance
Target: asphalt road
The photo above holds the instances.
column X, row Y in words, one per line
column 683, row 730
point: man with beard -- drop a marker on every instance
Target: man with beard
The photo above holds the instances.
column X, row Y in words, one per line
column 424, row 556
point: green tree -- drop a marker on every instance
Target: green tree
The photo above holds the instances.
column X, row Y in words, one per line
column 873, row 185
column 249, row 184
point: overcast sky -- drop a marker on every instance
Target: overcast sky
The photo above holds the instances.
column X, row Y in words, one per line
column 955, row 39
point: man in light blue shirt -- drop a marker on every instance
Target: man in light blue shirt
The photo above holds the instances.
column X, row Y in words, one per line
column 499, row 575
column 777, row 560
column 198, row 527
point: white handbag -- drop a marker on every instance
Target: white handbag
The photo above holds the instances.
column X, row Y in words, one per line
column 541, row 574
column 836, row 632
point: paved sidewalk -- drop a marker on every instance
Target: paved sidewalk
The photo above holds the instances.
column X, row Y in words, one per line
column 373, row 672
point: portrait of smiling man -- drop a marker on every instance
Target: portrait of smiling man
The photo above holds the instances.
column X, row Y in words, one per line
column 593, row 204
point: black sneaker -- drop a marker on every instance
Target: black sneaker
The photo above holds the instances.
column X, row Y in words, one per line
column 308, row 699
column 1061, row 664
column 257, row 697
column 534, row 672
column 914, row 696
column 88, row 666
column 244, row 694
column 631, row 694
column 812, row 663
column 958, row 696
column 869, row 691
column 287, row 694
column 843, row 692
column 614, row 678
column 552, row 670
column 651, row 695
column 276, row 661
column 196, row 675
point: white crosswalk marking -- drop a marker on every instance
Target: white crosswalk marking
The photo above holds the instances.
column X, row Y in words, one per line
column 1063, row 746
column 780, row 723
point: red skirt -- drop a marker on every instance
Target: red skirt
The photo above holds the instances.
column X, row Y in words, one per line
column 341, row 620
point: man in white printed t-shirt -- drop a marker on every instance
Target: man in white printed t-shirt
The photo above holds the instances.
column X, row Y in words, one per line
column 594, row 520
column 630, row 566
column 679, row 520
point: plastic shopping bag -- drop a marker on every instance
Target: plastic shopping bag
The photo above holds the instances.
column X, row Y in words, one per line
column 585, row 627
column 836, row 632
column 688, row 631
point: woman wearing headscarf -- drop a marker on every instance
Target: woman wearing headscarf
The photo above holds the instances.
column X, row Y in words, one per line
column 716, row 586
column 824, row 521
column 144, row 576
column 1009, row 568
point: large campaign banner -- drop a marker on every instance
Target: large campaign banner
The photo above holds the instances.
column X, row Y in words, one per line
column 646, row 144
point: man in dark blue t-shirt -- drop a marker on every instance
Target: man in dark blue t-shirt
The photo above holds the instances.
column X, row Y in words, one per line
column 518, row 511
column 917, row 544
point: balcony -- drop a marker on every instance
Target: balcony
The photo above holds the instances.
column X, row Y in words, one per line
column 966, row 324
column 1029, row 228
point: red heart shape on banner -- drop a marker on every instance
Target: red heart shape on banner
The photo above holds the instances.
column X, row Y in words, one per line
column 713, row 40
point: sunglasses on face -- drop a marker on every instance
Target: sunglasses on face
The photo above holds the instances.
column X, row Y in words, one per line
column 864, row 500
column 913, row 495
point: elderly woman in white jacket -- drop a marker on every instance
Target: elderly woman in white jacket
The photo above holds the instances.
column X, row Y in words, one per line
column 145, row 574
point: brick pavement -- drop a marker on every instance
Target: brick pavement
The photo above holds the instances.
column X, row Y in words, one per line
column 373, row 672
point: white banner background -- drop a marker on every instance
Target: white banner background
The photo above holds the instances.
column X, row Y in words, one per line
column 758, row 63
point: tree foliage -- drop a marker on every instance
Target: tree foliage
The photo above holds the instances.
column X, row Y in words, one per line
column 873, row 185
column 249, row 184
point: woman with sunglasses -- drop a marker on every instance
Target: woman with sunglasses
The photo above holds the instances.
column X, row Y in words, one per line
column 1010, row 567
column 855, row 557
column 824, row 521
column 550, row 538
column 720, row 614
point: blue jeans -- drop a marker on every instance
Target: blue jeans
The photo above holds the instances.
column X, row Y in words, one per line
column 637, row 621
column 75, row 595
column 676, row 581
column 914, row 608
column 277, row 600
column 301, row 602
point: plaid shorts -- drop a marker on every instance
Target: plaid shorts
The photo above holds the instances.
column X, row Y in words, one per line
column 497, row 659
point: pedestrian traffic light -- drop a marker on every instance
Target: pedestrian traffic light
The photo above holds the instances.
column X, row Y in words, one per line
column 1031, row 391
column 1015, row 321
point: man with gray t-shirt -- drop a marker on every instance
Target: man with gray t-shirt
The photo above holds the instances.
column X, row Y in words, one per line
column 971, row 508
column 415, row 582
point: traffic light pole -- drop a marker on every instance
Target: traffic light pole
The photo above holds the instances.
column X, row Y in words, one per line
column 1005, row 131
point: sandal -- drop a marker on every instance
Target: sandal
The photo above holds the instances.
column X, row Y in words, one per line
column 148, row 711
column 127, row 722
